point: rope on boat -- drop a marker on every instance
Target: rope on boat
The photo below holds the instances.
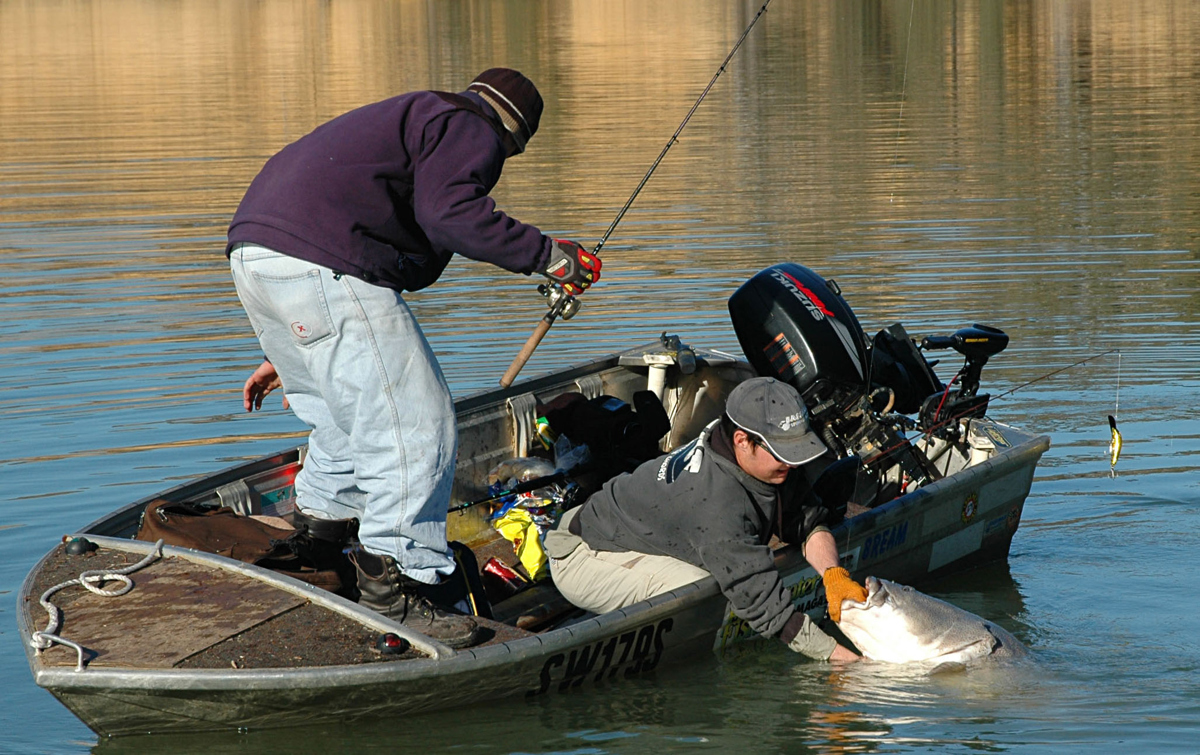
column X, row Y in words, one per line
column 89, row 580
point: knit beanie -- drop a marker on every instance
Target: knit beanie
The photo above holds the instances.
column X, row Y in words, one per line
column 514, row 98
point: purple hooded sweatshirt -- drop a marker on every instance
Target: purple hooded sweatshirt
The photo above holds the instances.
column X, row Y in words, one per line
column 388, row 192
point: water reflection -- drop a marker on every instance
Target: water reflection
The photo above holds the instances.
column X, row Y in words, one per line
column 1026, row 165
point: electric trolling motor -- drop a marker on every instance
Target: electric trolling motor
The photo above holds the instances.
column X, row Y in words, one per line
column 795, row 326
column 977, row 343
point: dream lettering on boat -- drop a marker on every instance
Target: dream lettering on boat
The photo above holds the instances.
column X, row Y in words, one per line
column 879, row 544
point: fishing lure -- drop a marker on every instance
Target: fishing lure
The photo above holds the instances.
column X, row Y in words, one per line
column 1114, row 446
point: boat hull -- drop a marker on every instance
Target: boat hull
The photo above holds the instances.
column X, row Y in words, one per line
column 965, row 518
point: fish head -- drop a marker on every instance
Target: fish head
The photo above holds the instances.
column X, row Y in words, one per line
column 899, row 624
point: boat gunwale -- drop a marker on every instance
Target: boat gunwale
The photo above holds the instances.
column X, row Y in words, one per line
column 482, row 398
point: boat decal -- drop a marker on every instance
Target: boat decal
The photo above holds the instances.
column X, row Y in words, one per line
column 995, row 525
column 970, row 507
column 634, row 652
column 880, row 543
column 1014, row 518
column 995, row 496
column 808, row 595
column 279, row 502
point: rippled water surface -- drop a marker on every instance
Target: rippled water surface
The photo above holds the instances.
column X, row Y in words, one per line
column 1030, row 165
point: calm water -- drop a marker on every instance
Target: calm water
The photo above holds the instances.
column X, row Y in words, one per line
column 1031, row 165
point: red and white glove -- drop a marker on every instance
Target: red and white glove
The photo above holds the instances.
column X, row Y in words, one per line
column 571, row 266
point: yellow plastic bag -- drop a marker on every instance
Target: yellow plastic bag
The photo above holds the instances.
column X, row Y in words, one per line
column 518, row 528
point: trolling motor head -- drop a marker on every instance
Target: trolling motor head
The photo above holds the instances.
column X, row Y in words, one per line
column 977, row 343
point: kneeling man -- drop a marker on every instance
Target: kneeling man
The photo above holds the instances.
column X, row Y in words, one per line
column 711, row 507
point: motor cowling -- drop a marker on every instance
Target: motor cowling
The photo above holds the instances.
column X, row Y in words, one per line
column 794, row 325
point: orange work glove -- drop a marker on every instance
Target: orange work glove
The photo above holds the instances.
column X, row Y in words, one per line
column 838, row 587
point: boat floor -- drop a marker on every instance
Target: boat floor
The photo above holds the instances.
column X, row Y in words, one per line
column 181, row 614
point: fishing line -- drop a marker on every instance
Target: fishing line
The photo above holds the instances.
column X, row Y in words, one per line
column 1055, row 372
column 1114, row 445
column 1116, row 448
column 903, row 89
column 562, row 303
column 1117, row 399
column 675, row 137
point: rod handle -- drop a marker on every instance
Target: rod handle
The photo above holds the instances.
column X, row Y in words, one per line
column 527, row 350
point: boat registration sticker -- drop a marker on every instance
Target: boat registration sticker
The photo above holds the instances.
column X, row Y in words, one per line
column 634, row 652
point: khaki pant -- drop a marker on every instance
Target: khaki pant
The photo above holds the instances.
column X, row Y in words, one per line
column 601, row 581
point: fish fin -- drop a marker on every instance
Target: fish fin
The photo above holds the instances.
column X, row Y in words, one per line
column 949, row 667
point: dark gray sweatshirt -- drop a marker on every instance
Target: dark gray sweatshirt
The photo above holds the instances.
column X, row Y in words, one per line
column 698, row 506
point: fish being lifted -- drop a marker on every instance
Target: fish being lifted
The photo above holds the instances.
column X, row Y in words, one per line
column 898, row 624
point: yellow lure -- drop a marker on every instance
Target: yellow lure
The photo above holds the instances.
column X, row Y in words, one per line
column 1114, row 446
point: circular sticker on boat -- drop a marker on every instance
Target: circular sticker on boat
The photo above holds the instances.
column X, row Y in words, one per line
column 970, row 507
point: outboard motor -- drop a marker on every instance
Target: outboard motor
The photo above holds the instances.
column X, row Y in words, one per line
column 795, row 326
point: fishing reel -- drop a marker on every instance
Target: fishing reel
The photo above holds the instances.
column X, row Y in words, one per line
column 559, row 301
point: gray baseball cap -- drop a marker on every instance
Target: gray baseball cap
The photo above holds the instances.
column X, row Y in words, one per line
column 774, row 411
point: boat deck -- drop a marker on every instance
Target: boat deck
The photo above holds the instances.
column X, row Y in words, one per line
column 188, row 615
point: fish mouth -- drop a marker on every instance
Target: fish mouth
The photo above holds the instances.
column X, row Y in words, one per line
column 877, row 596
column 877, row 593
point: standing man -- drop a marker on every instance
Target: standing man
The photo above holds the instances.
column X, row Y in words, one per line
column 330, row 233
column 711, row 507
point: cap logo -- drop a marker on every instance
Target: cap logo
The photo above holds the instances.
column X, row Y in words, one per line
column 790, row 421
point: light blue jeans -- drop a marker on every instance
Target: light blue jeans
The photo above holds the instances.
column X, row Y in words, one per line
column 357, row 369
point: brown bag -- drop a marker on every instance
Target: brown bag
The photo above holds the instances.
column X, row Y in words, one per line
column 220, row 530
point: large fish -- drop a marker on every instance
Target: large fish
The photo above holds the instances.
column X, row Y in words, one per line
column 897, row 624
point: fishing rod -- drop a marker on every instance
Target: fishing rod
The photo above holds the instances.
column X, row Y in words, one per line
column 561, row 303
column 519, row 488
column 1085, row 360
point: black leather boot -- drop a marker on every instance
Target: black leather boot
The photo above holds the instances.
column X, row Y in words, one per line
column 384, row 589
column 339, row 531
column 326, row 541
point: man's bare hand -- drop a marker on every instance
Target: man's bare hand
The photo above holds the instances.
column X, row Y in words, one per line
column 264, row 380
